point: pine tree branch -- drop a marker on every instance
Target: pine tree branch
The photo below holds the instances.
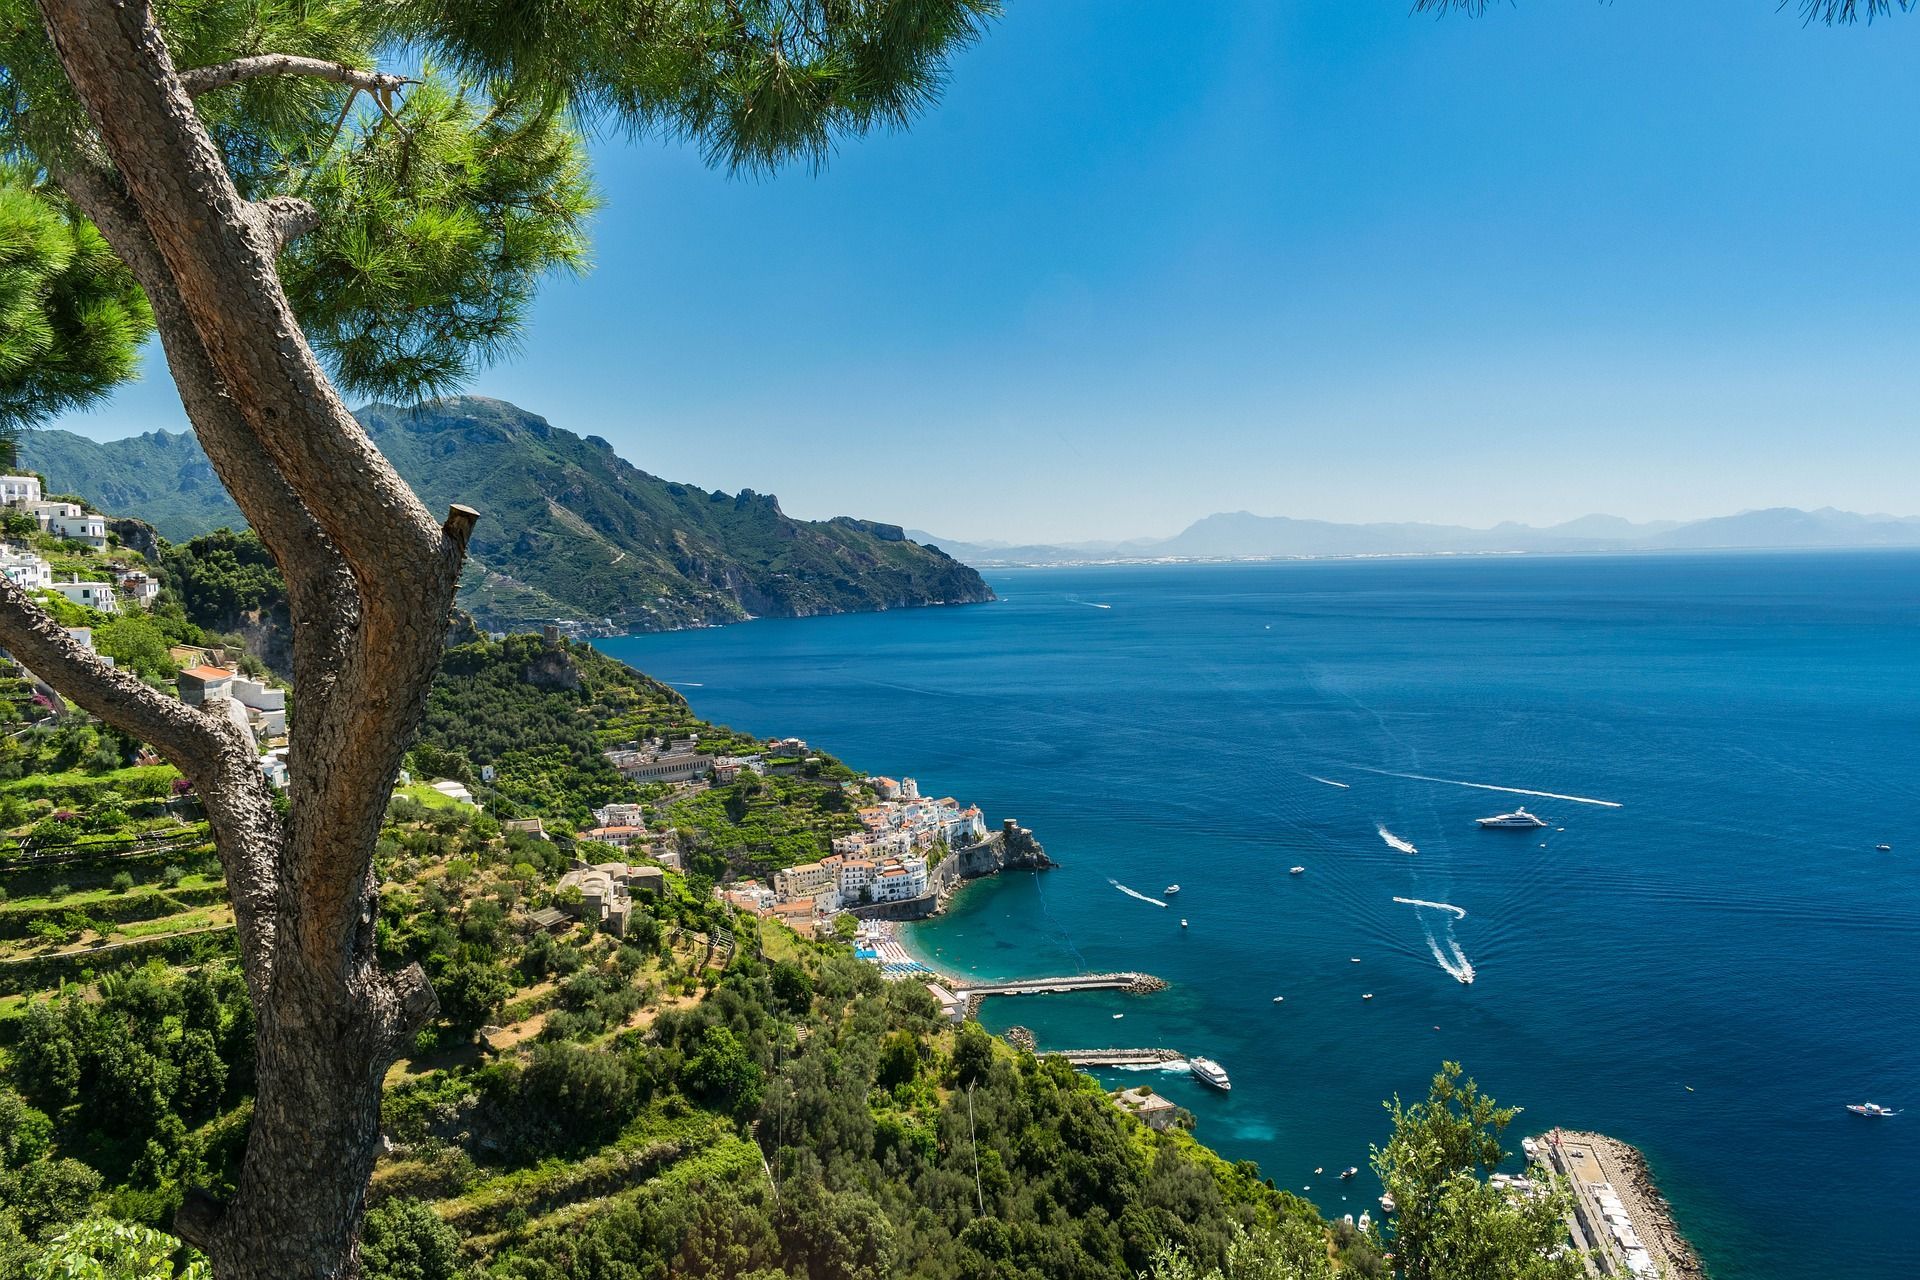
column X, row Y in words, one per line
column 259, row 66
column 180, row 733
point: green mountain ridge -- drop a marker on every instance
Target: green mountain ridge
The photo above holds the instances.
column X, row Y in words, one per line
column 569, row 531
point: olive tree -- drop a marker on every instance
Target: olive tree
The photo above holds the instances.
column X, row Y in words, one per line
column 311, row 198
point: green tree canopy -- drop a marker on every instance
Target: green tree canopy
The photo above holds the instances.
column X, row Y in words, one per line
column 1450, row 1224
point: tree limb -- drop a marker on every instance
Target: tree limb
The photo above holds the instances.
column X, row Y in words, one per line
column 201, row 80
column 184, row 736
column 285, row 218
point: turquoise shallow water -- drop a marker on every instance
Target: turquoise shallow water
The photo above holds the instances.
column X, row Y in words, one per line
column 1728, row 926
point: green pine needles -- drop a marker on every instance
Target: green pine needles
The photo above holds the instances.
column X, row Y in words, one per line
column 440, row 146
column 71, row 317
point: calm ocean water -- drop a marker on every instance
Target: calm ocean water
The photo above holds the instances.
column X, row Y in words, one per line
column 1728, row 926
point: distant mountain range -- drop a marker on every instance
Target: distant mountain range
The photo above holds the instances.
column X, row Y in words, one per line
column 569, row 531
column 1242, row 536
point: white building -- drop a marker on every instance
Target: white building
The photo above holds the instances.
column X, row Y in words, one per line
column 18, row 491
column 266, row 707
column 899, row 880
column 26, row 570
column 90, row 529
column 620, row 815
column 140, row 587
column 94, row 595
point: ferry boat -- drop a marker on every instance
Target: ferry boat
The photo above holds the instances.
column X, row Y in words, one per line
column 1873, row 1109
column 1518, row 820
column 1170, row 890
column 1209, row 1072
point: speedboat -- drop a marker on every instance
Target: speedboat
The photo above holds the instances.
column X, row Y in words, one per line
column 1183, row 922
column 1367, row 996
column 1296, row 871
column 1386, row 1202
column 1518, row 820
column 1209, row 1072
column 1170, row 890
column 1873, row 1109
column 1883, row 848
column 1349, row 1171
column 1366, row 1220
column 1279, row 999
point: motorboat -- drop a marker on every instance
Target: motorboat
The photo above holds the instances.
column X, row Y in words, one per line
column 1883, row 848
column 1279, row 999
column 1296, row 871
column 1183, row 922
column 1350, row 1171
column 1366, row 1220
column 1170, row 890
column 1518, row 820
column 1873, row 1109
column 1209, row 1073
column 1386, row 1203
column 1367, row 996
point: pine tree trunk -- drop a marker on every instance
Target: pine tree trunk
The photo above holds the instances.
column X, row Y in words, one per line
column 370, row 577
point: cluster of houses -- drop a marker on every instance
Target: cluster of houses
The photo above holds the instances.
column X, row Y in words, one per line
column 30, row 571
column 624, row 827
column 886, row 860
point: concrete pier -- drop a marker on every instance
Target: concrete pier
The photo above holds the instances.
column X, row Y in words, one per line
column 1137, row 983
column 1121, row 1057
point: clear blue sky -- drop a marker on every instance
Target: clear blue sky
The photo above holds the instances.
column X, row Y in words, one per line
column 1310, row 257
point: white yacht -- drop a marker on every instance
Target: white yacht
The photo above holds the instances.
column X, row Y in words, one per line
column 1170, row 890
column 1518, row 820
column 1209, row 1072
column 1870, row 1109
column 1296, row 871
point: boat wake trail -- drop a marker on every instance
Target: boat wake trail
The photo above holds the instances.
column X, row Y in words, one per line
column 1135, row 893
column 1395, row 842
column 1457, row 965
column 1487, row 786
column 1459, row 913
column 1330, row 782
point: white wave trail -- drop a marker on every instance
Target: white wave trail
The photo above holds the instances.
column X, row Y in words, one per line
column 1329, row 781
column 1487, row 786
column 1459, row 913
column 1395, row 842
column 1091, row 604
column 1135, row 893
column 1457, row 965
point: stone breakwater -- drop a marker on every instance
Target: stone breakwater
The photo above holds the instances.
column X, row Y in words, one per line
column 1589, row 1160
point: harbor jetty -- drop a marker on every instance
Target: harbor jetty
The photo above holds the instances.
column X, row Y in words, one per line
column 1132, row 983
column 1618, row 1214
column 1084, row 1058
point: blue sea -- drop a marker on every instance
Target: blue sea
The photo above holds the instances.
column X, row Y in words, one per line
column 1709, row 965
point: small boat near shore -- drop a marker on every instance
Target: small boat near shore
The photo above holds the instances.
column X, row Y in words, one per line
column 1209, row 1073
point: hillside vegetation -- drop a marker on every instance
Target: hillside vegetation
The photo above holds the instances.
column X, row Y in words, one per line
column 569, row 530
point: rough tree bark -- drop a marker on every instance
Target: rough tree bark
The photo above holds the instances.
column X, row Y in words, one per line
column 371, row 577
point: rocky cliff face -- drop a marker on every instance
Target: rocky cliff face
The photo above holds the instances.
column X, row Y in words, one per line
column 569, row 530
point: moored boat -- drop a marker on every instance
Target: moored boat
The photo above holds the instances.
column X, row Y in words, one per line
column 1518, row 820
column 1210, row 1073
